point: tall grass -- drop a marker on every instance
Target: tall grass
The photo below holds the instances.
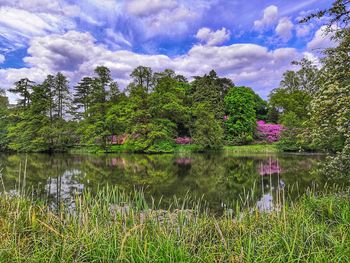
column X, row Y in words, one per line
column 115, row 226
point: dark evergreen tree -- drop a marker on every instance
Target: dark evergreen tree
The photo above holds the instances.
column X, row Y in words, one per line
column 82, row 96
column 23, row 89
column 211, row 90
column 62, row 98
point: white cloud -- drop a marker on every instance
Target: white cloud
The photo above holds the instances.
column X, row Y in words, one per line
column 284, row 29
column 321, row 40
column 213, row 38
column 149, row 7
column 246, row 64
column 170, row 22
column 303, row 30
column 269, row 18
column 294, row 6
column 17, row 25
column 43, row 6
column 121, row 23
column 2, row 59
column 117, row 39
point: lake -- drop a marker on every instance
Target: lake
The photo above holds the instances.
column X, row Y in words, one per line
column 220, row 178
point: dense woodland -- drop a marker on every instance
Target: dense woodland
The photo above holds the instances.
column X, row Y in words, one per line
column 159, row 109
column 154, row 110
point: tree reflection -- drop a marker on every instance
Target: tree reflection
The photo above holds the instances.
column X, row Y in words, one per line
column 221, row 178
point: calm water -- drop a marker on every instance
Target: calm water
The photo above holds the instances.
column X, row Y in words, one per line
column 221, row 178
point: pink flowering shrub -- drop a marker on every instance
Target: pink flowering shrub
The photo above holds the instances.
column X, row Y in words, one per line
column 268, row 132
column 183, row 140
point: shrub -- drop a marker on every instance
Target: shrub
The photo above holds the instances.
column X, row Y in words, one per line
column 268, row 132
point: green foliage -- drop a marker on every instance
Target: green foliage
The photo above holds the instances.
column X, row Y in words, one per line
column 211, row 89
column 82, row 96
column 330, row 110
column 37, row 124
column 23, row 89
column 292, row 102
column 4, row 120
column 124, row 227
column 169, row 100
column 240, row 108
column 289, row 137
column 208, row 133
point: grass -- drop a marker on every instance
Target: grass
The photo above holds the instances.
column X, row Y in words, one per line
column 254, row 148
column 115, row 226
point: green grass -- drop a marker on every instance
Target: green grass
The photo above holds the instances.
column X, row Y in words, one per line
column 118, row 227
column 254, row 148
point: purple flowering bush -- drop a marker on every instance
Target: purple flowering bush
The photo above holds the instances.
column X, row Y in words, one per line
column 183, row 140
column 268, row 132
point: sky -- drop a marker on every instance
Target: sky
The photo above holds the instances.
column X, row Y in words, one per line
column 251, row 42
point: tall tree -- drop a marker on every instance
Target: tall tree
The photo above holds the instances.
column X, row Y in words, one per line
column 97, row 126
column 31, row 132
column 23, row 88
column 49, row 86
column 211, row 90
column 296, row 90
column 61, row 94
column 208, row 132
column 143, row 76
column 169, row 100
column 4, row 102
column 4, row 119
column 330, row 110
column 82, row 95
column 241, row 115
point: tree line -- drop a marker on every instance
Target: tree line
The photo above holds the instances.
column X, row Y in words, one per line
column 154, row 109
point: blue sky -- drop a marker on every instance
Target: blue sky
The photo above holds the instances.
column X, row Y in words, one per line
column 251, row 42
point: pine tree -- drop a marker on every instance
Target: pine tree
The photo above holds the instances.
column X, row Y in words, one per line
column 82, row 96
column 61, row 94
column 23, row 88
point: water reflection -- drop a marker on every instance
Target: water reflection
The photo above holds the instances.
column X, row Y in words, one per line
column 221, row 178
column 62, row 187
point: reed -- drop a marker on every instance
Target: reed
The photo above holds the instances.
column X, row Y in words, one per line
column 116, row 226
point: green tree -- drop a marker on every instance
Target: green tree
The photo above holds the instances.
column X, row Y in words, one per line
column 4, row 119
column 330, row 110
column 50, row 88
column 98, row 96
column 30, row 133
column 296, row 90
column 169, row 100
column 61, row 94
column 155, row 117
column 143, row 76
column 241, row 115
column 211, row 89
column 330, row 106
column 208, row 132
column 82, row 96
column 292, row 101
column 23, row 89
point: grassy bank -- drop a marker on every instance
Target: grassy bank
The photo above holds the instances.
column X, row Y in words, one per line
column 119, row 227
column 254, row 148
